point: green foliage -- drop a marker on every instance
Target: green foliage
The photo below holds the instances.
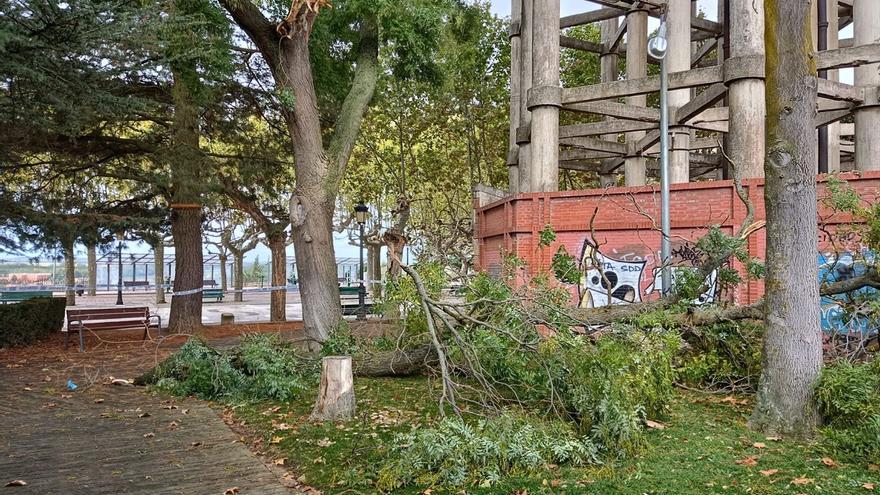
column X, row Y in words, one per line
column 565, row 267
column 546, row 236
column 340, row 342
column 262, row 367
column 724, row 356
column 28, row 321
column 849, row 399
column 458, row 453
column 402, row 293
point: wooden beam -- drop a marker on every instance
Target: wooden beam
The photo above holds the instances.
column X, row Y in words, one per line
column 580, row 165
column 847, row 129
column 607, row 127
column 706, row 98
column 595, row 144
column 570, row 155
column 719, row 126
column 704, row 50
column 848, row 57
column 589, row 17
column 579, row 44
column 713, row 114
column 614, row 44
column 706, row 25
column 826, row 118
column 839, row 91
column 826, row 105
column 650, row 139
column 616, row 110
column 630, row 87
column 845, row 43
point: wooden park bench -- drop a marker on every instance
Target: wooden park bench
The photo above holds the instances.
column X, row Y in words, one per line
column 216, row 294
column 350, row 306
column 22, row 295
column 116, row 318
column 131, row 284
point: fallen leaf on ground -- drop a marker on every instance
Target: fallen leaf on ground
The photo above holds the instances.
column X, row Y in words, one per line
column 750, row 461
column 873, row 467
column 829, row 462
column 17, row 483
column 759, row 445
column 276, row 439
column 172, row 425
column 99, row 401
column 324, row 442
column 231, row 491
column 144, row 415
column 769, row 472
column 774, row 439
column 868, row 486
column 801, row 481
column 655, row 425
column 734, row 401
column 280, row 461
column 149, row 435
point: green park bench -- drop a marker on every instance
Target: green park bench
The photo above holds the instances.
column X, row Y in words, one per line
column 215, row 294
column 350, row 304
column 22, row 295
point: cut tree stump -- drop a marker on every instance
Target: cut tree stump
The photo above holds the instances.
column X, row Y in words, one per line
column 336, row 393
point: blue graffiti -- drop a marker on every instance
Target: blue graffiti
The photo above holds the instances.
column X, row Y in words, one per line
column 836, row 317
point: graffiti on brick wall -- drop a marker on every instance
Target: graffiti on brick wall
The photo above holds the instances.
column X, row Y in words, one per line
column 622, row 279
column 843, row 312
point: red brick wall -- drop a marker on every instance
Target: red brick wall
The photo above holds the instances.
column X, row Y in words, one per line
column 623, row 225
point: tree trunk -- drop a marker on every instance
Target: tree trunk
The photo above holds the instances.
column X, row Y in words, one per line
column 223, row 283
column 238, row 278
column 374, row 270
column 316, row 273
column 792, row 356
column 278, row 294
column 92, row 255
column 159, row 271
column 69, row 272
column 336, row 399
column 396, row 363
column 186, row 210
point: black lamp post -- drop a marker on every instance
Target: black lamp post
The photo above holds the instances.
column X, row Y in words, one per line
column 119, row 237
column 360, row 215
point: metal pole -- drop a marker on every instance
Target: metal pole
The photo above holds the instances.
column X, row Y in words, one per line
column 665, row 242
column 119, row 275
column 362, row 290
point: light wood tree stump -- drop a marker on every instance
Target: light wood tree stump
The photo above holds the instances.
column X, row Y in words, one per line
column 336, row 393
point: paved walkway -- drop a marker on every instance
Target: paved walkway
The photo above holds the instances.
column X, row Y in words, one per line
column 107, row 438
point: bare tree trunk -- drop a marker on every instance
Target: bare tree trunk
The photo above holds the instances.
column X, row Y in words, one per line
column 374, row 270
column 92, row 266
column 186, row 211
column 159, row 271
column 223, row 283
column 69, row 271
column 238, row 277
column 336, row 399
column 278, row 296
column 792, row 355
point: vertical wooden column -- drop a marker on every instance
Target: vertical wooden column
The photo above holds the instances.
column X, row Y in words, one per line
column 746, row 96
column 515, row 95
column 678, row 59
column 608, row 67
column 523, row 138
column 866, row 27
column 636, row 67
column 545, row 97
column 834, row 75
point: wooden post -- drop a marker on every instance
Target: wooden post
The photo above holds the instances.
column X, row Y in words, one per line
column 746, row 96
column 678, row 59
column 545, row 97
column 515, row 95
column 608, row 67
column 866, row 28
column 523, row 140
column 833, row 75
column 336, row 399
column 636, row 67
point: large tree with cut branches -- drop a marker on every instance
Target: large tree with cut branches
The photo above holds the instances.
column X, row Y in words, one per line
column 792, row 355
column 339, row 46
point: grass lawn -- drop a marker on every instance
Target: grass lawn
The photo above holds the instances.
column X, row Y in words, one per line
column 705, row 448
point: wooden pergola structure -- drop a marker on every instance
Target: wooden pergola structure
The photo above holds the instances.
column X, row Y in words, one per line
column 716, row 82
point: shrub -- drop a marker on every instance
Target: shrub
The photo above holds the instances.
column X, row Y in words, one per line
column 262, row 367
column 724, row 356
column 28, row 321
column 849, row 399
column 456, row 452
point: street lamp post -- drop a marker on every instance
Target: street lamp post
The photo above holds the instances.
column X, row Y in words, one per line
column 119, row 237
column 657, row 48
column 360, row 214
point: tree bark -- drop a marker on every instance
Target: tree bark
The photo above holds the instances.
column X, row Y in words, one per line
column 792, row 356
column 159, row 271
column 374, row 270
column 278, row 296
column 92, row 268
column 186, row 210
column 238, row 278
column 336, row 399
column 223, row 283
column 69, row 271
column 396, row 363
